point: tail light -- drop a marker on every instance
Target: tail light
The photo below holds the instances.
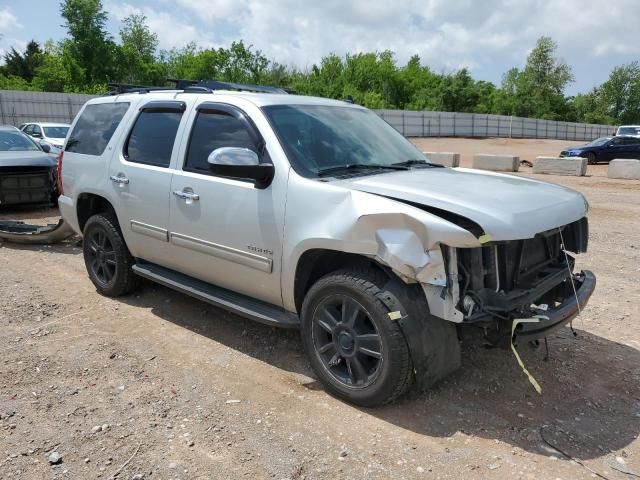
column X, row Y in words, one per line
column 59, row 173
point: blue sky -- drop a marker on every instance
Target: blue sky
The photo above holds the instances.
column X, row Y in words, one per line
column 488, row 36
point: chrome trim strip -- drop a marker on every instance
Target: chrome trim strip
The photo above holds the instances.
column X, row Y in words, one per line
column 247, row 259
column 150, row 230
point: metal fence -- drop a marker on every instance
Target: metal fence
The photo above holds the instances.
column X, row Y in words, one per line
column 447, row 124
column 18, row 107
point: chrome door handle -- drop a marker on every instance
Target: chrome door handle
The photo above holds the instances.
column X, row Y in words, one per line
column 186, row 195
column 120, row 180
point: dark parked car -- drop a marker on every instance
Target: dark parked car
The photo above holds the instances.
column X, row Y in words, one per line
column 606, row 149
column 27, row 171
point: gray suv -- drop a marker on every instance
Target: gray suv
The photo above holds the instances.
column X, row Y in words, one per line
column 315, row 214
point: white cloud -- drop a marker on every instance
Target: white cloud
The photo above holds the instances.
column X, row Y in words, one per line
column 446, row 34
column 215, row 9
column 8, row 21
column 173, row 30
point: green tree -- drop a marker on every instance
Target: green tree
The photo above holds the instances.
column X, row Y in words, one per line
column 620, row 94
column 89, row 42
column 59, row 72
column 589, row 108
column 137, row 53
column 24, row 65
column 538, row 90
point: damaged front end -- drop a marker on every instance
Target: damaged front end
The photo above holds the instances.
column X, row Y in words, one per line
column 492, row 285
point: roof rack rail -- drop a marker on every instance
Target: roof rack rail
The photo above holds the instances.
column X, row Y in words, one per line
column 192, row 86
column 218, row 85
column 119, row 88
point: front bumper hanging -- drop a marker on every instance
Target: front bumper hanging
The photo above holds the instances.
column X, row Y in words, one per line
column 585, row 284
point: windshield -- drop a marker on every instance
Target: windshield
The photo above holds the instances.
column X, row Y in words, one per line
column 629, row 131
column 318, row 138
column 600, row 141
column 55, row 132
column 14, row 141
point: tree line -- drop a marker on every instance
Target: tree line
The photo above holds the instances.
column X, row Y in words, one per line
column 89, row 58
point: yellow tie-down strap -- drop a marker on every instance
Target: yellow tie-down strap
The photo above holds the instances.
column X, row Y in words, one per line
column 516, row 322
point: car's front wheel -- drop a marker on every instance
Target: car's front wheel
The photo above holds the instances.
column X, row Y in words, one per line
column 355, row 349
column 591, row 158
column 107, row 257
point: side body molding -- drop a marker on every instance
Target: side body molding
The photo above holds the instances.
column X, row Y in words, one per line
column 258, row 262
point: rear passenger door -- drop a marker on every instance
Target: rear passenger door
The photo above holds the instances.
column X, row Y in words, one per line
column 140, row 176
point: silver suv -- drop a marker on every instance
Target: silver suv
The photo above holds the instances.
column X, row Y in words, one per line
column 315, row 214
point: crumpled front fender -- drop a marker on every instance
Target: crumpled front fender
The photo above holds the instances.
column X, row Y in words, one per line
column 402, row 237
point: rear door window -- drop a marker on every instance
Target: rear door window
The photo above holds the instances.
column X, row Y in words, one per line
column 95, row 127
column 153, row 135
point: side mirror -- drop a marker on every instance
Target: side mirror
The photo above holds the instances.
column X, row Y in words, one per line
column 240, row 163
column 36, row 135
column 46, row 148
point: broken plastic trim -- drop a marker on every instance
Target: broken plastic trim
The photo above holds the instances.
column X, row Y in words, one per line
column 19, row 232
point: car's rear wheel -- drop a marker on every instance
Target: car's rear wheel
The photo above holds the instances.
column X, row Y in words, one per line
column 591, row 158
column 355, row 349
column 107, row 257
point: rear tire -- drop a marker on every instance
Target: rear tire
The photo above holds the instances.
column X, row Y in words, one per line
column 358, row 353
column 107, row 257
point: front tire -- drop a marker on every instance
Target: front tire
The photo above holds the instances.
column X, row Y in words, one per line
column 591, row 158
column 358, row 353
column 107, row 257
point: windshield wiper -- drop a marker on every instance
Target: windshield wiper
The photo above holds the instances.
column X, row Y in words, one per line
column 416, row 162
column 358, row 166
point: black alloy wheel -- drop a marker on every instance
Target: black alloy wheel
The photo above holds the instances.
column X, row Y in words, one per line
column 347, row 342
column 106, row 256
column 101, row 257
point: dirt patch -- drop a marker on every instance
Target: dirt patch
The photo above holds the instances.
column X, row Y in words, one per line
column 159, row 385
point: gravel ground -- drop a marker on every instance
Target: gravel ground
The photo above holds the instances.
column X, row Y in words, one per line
column 159, row 386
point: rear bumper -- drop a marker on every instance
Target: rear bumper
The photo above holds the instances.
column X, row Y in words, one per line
column 561, row 315
column 68, row 212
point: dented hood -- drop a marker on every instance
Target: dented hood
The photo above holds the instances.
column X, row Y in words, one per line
column 507, row 207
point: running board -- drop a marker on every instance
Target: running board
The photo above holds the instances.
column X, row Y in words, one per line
column 237, row 303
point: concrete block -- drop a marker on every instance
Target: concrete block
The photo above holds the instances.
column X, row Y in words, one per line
column 448, row 159
column 573, row 166
column 624, row 168
column 497, row 163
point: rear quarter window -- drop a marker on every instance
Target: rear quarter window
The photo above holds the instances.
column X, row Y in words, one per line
column 95, row 127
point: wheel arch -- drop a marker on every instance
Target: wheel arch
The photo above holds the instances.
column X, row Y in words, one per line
column 89, row 204
column 315, row 263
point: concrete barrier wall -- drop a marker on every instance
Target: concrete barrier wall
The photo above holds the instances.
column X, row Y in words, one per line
column 574, row 166
column 624, row 168
column 496, row 163
column 448, row 159
column 17, row 107
column 451, row 124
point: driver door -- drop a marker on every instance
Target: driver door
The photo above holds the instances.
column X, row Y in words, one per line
column 615, row 149
column 224, row 230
